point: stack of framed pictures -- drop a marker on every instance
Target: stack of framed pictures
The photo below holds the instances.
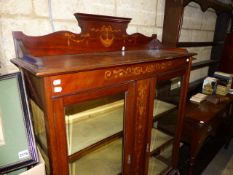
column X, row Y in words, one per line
column 17, row 144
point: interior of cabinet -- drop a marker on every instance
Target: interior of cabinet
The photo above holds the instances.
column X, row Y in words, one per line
column 162, row 139
column 87, row 125
column 173, row 20
column 88, row 149
column 92, row 149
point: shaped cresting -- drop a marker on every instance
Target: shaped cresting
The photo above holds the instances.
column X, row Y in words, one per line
column 98, row 34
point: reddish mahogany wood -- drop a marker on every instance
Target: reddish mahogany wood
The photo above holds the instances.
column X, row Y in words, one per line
column 52, row 65
column 91, row 65
column 105, row 34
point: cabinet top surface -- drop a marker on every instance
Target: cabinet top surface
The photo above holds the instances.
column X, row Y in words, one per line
column 60, row 64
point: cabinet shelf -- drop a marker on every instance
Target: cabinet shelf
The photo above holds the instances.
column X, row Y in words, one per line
column 89, row 120
column 205, row 63
column 77, row 155
column 83, row 129
column 159, row 141
column 199, row 44
column 162, row 107
column 157, row 166
column 93, row 112
column 103, row 161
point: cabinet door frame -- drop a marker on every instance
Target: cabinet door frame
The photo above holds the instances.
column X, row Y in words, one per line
column 127, row 89
column 184, row 74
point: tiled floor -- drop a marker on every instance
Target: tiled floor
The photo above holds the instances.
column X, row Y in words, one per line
column 222, row 164
column 208, row 152
column 229, row 168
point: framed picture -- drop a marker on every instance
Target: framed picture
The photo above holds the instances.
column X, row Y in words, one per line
column 17, row 144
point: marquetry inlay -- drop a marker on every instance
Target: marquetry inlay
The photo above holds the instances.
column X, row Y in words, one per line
column 136, row 70
column 78, row 39
column 141, row 112
column 106, row 34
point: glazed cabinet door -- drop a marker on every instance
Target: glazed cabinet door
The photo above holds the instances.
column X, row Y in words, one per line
column 164, row 116
column 97, row 132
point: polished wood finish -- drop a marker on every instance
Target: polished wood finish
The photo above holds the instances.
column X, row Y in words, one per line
column 102, row 60
column 96, row 36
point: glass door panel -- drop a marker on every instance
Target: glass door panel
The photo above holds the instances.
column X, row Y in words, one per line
column 94, row 136
column 164, row 124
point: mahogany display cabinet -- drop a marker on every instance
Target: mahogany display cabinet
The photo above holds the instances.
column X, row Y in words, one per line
column 97, row 98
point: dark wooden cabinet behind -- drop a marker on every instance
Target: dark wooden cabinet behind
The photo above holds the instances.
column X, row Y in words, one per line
column 65, row 72
column 226, row 61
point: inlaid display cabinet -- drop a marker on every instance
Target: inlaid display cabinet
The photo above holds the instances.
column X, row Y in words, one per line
column 97, row 98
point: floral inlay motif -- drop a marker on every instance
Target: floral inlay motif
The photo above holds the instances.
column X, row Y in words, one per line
column 141, row 110
column 106, row 34
column 136, row 70
column 77, row 38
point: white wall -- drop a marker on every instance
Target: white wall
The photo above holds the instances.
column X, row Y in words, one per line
column 32, row 17
column 198, row 26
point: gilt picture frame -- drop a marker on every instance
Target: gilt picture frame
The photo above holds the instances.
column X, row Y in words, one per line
column 17, row 143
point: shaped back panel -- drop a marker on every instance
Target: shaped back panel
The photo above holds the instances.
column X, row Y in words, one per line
column 98, row 34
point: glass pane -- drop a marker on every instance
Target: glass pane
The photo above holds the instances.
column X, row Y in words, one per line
column 40, row 132
column 94, row 135
column 164, row 124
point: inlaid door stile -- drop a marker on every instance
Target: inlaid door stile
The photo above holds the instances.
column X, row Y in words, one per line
column 129, row 128
column 141, row 113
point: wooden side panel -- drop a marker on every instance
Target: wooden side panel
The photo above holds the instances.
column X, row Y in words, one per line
column 34, row 87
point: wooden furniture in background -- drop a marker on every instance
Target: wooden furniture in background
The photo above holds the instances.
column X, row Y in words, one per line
column 226, row 62
column 201, row 121
column 94, row 98
column 173, row 18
